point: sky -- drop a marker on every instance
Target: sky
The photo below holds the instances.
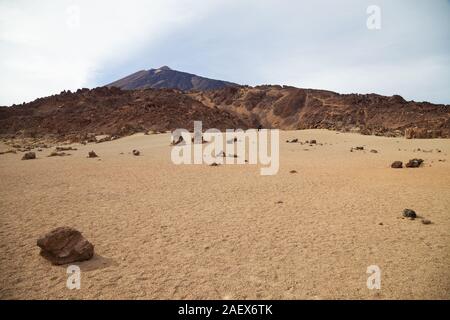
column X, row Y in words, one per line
column 49, row 46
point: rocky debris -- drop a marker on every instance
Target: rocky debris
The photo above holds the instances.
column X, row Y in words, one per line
column 65, row 245
column 293, row 171
column 136, row 152
column 65, row 149
column 292, row 141
column 414, row 163
column 312, row 141
column 374, row 151
column 426, row 221
column 58, row 154
column 397, row 165
column 408, row 213
column 8, row 151
column 29, row 156
column 415, row 133
column 104, row 139
column 279, row 202
column 92, row 154
column 214, row 164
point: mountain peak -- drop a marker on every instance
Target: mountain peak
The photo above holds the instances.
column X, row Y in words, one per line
column 156, row 78
column 164, row 68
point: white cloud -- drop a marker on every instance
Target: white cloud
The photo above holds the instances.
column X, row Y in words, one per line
column 43, row 48
column 321, row 44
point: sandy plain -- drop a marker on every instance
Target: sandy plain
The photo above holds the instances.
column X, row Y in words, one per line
column 163, row 231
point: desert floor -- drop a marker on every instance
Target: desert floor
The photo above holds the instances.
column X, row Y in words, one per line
column 163, row 231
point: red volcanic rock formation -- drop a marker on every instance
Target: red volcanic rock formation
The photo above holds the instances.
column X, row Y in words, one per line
column 111, row 111
column 294, row 108
column 80, row 115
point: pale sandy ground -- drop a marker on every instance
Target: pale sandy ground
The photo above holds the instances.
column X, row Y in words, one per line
column 163, row 231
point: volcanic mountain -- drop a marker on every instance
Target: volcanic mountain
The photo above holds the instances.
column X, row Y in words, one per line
column 165, row 77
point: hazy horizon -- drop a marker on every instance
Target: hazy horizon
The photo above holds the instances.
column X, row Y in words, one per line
column 48, row 47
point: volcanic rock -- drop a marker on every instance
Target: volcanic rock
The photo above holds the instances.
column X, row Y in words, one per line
column 397, row 164
column 29, row 156
column 92, row 154
column 408, row 213
column 414, row 163
column 65, row 245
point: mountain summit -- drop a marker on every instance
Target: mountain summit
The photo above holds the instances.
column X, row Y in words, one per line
column 165, row 77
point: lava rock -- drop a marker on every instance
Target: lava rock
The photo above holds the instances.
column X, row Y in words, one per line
column 408, row 213
column 397, row 164
column 65, row 245
column 29, row 156
column 414, row 163
column 92, row 154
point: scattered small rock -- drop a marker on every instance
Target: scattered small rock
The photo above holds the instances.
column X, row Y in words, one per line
column 397, row 164
column 408, row 213
column 426, row 221
column 29, row 156
column 312, row 141
column 104, row 139
column 92, row 154
column 214, row 164
column 65, row 149
column 374, row 151
column 293, row 171
column 8, row 151
column 414, row 163
column 58, row 154
column 136, row 152
column 65, row 245
column 278, row 202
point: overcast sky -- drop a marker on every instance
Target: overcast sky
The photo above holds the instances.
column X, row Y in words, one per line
column 49, row 46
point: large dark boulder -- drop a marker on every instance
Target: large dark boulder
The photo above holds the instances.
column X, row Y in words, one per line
column 65, row 245
column 414, row 163
column 29, row 156
column 397, row 165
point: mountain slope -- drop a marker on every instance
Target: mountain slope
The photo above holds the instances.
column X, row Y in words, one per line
column 291, row 108
column 122, row 112
column 165, row 77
